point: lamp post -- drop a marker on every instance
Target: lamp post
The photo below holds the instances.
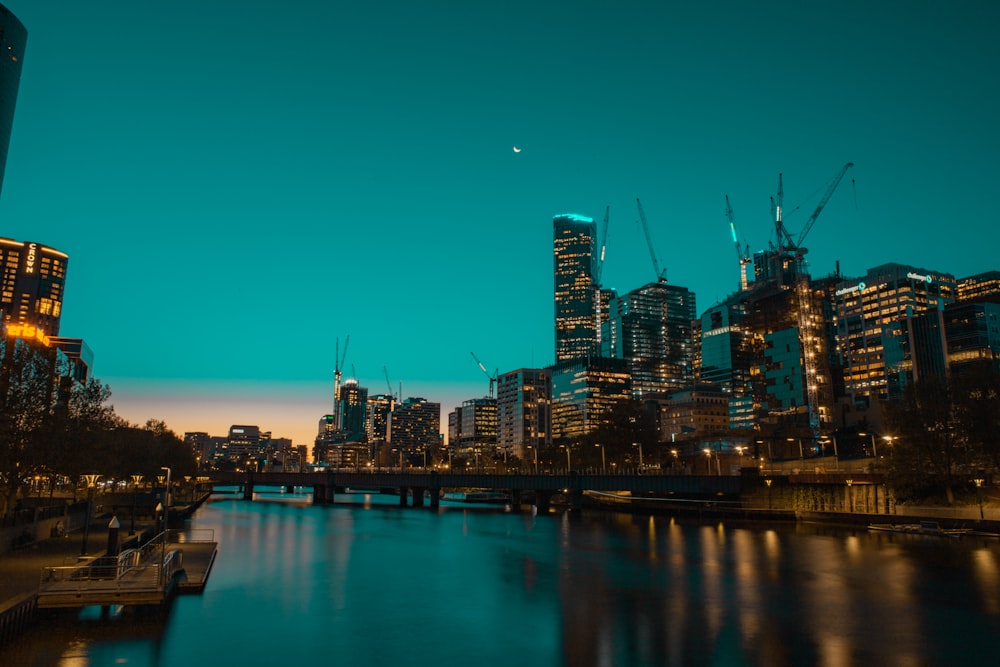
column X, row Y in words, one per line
column 874, row 450
column 890, row 439
column 979, row 495
column 850, row 496
column 768, row 482
column 708, row 460
column 569, row 465
column 604, row 466
column 163, row 541
column 166, row 501
column 91, row 483
column 135, row 490
column 639, row 445
column 741, row 449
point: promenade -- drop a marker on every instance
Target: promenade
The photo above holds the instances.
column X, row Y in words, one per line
column 21, row 569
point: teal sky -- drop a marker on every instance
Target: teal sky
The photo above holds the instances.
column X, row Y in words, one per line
column 240, row 184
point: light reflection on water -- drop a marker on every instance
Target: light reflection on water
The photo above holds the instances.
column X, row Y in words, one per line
column 376, row 584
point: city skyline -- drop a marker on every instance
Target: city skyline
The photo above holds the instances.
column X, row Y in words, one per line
column 246, row 185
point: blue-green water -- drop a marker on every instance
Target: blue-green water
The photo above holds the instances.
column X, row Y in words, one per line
column 375, row 584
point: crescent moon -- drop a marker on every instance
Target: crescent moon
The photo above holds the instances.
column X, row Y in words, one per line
column 516, row 149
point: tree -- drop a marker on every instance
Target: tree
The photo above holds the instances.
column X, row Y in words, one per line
column 27, row 390
column 928, row 450
column 977, row 413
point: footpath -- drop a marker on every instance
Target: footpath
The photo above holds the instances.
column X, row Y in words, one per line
column 21, row 569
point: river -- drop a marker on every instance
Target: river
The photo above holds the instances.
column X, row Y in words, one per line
column 372, row 584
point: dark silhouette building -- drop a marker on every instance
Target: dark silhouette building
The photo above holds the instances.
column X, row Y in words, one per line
column 13, row 37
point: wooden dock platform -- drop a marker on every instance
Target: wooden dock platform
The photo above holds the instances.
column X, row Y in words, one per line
column 172, row 563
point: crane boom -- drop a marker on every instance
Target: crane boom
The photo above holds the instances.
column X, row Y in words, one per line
column 482, row 367
column 822, row 202
column 604, row 245
column 388, row 384
column 649, row 242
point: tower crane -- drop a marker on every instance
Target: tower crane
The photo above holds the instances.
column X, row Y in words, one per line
column 493, row 378
column 822, row 203
column 660, row 275
column 338, row 372
column 387, row 382
column 742, row 254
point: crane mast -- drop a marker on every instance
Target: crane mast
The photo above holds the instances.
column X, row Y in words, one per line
column 338, row 372
column 660, row 275
column 743, row 255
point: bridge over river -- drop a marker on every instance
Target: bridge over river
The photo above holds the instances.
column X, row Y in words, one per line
column 413, row 485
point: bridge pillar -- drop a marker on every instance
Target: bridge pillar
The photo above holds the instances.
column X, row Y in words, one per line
column 322, row 494
column 289, row 488
column 418, row 496
column 248, row 490
column 403, row 492
column 543, row 500
column 575, row 492
column 435, row 490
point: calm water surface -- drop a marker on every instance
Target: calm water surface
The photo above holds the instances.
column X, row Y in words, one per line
column 376, row 584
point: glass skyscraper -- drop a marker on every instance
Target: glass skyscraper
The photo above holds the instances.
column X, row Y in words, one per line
column 576, row 315
column 13, row 37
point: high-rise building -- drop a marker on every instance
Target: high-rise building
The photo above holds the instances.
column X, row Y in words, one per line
column 980, row 287
column 13, row 38
column 584, row 392
column 416, row 424
column 865, row 309
column 725, row 360
column 379, row 420
column 650, row 328
column 524, row 417
column 576, row 314
column 33, row 281
column 353, row 410
column 479, row 426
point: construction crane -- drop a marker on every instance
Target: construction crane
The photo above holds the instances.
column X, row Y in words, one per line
column 338, row 372
column 597, row 281
column 822, row 203
column 482, row 367
column 742, row 254
column 660, row 275
column 387, row 382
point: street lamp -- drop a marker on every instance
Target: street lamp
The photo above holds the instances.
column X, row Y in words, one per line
column 91, row 483
column 569, row 466
column 534, row 450
column 639, row 445
column 741, row 449
column 708, row 454
column 768, row 482
column 604, row 466
column 890, row 439
column 166, row 500
column 135, row 490
column 979, row 495
column 850, row 496
column 874, row 450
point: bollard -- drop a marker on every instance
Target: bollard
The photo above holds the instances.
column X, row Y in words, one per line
column 113, row 545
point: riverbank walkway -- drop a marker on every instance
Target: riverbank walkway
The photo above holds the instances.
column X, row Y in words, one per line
column 54, row 571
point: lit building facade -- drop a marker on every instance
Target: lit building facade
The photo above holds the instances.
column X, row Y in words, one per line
column 650, row 328
column 353, row 410
column 479, row 426
column 576, row 314
column 524, row 416
column 379, row 419
column 866, row 308
column 980, row 287
column 725, row 360
column 694, row 412
column 33, row 281
column 13, row 38
column 583, row 392
column 416, row 424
